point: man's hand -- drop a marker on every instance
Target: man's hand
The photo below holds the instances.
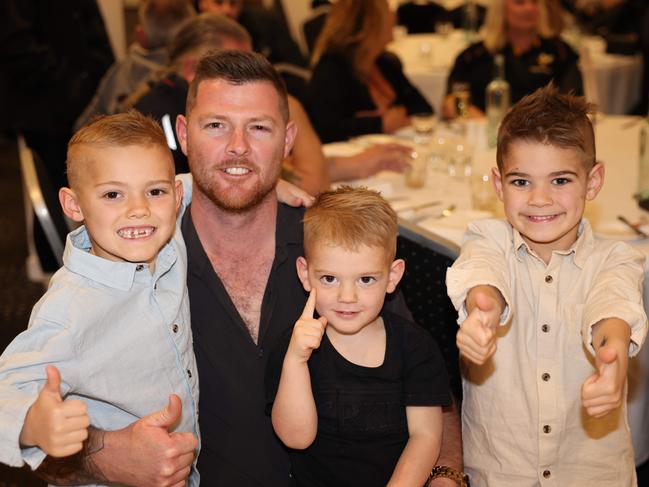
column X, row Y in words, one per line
column 604, row 390
column 442, row 482
column 58, row 427
column 146, row 453
column 307, row 332
column 476, row 338
column 292, row 195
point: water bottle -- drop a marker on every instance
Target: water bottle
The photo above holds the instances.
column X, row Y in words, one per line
column 497, row 99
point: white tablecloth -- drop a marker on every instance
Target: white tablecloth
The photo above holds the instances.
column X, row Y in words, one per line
column 617, row 141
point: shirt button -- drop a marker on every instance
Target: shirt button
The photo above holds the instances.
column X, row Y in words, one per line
column 545, row 377
column 261, row 352
column 548, row 279
column 189, row 373
column 547, row 429
column 139, row 267
column 545, row 328
column 175, row 328
column 546, row 474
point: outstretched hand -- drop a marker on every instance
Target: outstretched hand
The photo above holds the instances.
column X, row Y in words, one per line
column 56, row 426
column 292, row 195
column 307, row 332
column 476, row 338
column 604, row 390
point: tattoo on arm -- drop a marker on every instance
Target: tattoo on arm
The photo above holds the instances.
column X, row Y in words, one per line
column 77, row 469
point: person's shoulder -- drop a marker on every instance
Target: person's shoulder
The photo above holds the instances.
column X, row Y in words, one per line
column 390, row 60
column 474, row 52
column 404, row 327
column 494, row 229
column 559, row 47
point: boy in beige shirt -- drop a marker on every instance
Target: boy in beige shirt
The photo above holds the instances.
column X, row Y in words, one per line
column 548, row 314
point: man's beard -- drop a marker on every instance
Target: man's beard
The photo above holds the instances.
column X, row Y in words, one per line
column 231, row 200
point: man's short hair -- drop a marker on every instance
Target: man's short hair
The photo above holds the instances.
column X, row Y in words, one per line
column 549, row 117
column 351, row 218
column 237, row 68
column 160, row 19
column 206, row 32
column 120, row 130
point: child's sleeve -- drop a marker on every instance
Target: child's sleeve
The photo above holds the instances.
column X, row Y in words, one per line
column 617, row 293
column 274, row 367
column 425, row 380
column 482, row 261
column 22, row 376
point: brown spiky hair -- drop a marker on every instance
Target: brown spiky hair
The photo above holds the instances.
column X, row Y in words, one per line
column 549, row 117
column 351, row 217
column 120, row 130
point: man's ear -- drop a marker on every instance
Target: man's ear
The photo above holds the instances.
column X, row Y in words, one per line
column 303, row 273
column 595, row 181
column 181, row 132
column 70, row 204
column 498, row 182
column 289, row 138
column 397, row 268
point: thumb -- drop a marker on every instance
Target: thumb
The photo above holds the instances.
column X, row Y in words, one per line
column 323, row 320
column 484, row 302
column 53, row 383
column 167, row 416
column 604, row 358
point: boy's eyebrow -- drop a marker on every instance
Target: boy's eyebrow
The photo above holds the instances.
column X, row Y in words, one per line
column 124, row 183
column 368, row 273
column 553, row 174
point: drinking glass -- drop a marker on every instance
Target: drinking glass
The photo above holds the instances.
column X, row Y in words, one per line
column 462, row 94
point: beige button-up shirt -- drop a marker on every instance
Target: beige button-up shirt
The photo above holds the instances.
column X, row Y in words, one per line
column 522, row 419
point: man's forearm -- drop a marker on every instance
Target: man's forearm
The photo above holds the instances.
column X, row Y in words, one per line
column 450, row 453
column 77, row 469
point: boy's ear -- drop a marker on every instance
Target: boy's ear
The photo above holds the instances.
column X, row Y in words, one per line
column 595, row 181
column 303, row 273
column 498, row 183
column 179, row 190
column 181, row 132
column 70, row 204
column 397, row 268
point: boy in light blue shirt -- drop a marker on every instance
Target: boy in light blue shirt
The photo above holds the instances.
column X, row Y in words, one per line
column 110, row 341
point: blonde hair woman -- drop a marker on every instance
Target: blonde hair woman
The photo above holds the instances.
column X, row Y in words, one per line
column 357, row 87
column 534, row 55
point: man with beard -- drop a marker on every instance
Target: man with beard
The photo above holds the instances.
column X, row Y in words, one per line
column 242, row 246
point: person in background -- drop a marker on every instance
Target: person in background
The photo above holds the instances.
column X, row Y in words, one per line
column 158, row 21
column 549, row 315
column 357, row 87
column 52, row 56
column 306, row 166
column 533, row 54
column 269, row 32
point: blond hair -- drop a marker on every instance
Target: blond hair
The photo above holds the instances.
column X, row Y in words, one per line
column 352, row 28
column 495, row 27
column 120, row 130
column 351, row 217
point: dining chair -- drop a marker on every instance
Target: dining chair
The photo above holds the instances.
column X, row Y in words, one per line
column 423, row 285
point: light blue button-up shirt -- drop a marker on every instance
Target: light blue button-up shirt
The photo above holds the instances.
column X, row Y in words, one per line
column 120, row 337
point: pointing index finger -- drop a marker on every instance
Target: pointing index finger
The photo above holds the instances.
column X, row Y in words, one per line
column 309, row 307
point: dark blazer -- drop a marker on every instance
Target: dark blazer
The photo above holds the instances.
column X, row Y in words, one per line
column 335, row 95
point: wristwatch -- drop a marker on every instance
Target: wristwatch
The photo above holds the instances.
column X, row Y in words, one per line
column 462, row 479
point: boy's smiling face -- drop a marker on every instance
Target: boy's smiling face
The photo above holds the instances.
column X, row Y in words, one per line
column 350, row 284
column 544, row 189
column 128, row 198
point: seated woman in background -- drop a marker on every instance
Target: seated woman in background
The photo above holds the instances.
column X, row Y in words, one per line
column 534, row 56
column 357, row 87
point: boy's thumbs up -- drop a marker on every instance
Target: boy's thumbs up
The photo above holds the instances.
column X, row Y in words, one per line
column 603, row 391
column 53, row 384
column 484, row 302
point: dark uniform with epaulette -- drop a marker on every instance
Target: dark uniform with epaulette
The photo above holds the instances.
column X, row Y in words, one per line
column 549, row 59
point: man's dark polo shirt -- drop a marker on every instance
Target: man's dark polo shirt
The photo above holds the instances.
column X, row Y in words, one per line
column 239, row 447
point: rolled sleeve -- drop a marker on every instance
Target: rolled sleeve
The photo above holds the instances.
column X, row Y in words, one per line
column 617, row 293
column 482, row 261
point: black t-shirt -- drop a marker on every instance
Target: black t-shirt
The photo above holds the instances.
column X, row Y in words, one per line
column 362, row 426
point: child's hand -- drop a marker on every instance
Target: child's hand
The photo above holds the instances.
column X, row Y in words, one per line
column 307, row 332
column 604, row 390
column 476, row 338
column 58, row 427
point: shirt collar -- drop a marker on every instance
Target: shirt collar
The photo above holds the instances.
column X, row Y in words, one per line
column 119, row 275
column 289, row 225
column 581, row 249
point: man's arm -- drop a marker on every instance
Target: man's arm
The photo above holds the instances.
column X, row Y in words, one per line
column 144, row 453
column 450, row 453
